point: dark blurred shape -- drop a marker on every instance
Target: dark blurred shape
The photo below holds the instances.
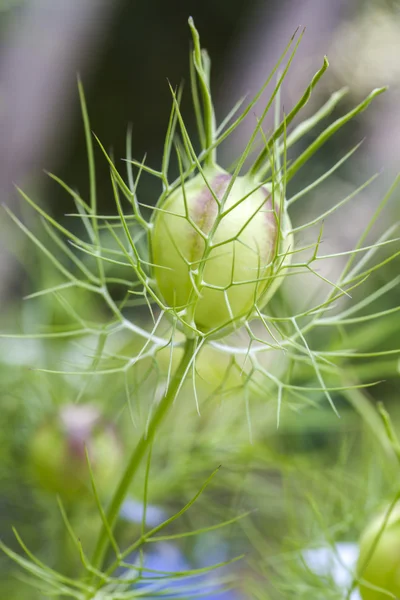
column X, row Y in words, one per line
column 46, row 44
column 262, row 40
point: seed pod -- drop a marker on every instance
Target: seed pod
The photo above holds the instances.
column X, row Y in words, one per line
column 58, row 453
column 379, row 560
column 213, row 261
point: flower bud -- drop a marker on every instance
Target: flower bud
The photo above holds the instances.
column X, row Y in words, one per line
column 379, row 560
column 213, row 262
column 58, row 452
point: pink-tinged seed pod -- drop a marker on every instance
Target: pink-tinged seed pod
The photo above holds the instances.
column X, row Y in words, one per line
column 58, row 453
column 217, row 288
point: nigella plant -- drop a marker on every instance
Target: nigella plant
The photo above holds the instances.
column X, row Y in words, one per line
column 211, row 264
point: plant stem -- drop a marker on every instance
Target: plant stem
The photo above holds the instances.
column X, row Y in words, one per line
column 139, row 451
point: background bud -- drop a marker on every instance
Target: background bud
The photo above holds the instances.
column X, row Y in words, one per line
column 381, row 568
column 58, row 455
column 244, row 244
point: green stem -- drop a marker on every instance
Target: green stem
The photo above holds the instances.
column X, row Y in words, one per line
column 139, row 451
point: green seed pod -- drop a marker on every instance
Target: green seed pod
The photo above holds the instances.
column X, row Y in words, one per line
column 58, row 453
column 379, row 565
column 213, row 262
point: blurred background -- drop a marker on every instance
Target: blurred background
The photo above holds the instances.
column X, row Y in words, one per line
column 125, row 53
